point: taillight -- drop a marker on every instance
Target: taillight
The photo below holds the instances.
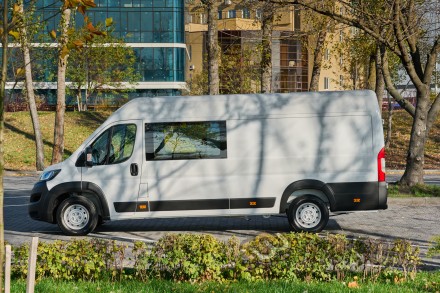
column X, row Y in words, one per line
column 381, row 165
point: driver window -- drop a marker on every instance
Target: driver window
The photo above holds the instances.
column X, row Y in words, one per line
column 115, row 145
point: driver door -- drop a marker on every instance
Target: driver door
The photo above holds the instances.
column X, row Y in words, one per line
column 117, row 160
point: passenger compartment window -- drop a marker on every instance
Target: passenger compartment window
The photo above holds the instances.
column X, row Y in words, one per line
column 185, row 140
column 115, row 145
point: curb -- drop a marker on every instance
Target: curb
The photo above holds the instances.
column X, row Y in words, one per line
column 414, row 201
column 400, row 172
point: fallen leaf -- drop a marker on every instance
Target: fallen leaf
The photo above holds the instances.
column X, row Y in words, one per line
column 353, row 284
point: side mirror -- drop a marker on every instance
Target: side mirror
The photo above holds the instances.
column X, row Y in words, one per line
column 85, row 158
column 89, row 157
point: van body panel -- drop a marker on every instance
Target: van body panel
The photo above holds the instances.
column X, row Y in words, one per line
column 235, row 155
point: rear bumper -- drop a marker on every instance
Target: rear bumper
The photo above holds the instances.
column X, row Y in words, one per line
column 359, row 196
column 383, row 195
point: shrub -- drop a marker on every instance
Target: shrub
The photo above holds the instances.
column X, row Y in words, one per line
column 434, row 249
column 201, row 257
column 75, row 260
column 187, row 257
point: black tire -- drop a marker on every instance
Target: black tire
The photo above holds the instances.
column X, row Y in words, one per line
column 308, row 214
column 77, row 216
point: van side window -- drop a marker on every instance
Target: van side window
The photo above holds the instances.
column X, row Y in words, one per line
column 185, row 140
column 115, row 145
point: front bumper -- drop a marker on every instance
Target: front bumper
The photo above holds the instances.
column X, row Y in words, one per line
column 39, row 203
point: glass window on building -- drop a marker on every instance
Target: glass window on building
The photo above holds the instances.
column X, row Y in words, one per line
column 258, row 14
column 220, row 14
column 232, row 13
column 126, row 3
column 246, row 13
column 326, row 83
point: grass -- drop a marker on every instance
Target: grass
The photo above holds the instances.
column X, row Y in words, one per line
column 424, row 282
column 19, row 136
column 20, row 147
column 415, row 191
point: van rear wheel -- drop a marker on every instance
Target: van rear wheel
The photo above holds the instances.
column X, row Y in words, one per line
column 308, row 214
column 77, row 216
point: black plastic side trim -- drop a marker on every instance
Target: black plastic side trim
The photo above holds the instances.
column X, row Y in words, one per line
column 187, row 205
column 252, row 203
column 179, row 205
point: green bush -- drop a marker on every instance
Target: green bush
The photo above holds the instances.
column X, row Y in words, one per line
column 76, row 260
column 434, row 249
column 188, row 257
column 201, row 257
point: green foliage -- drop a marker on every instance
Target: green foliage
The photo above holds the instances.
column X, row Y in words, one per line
column 434, row 249
column 75, row 260
column 294, row 256
column 102, row 64
column 425, row 282
column 239, row 71
column 418, row 190
column 203, row 258
column 187, row 257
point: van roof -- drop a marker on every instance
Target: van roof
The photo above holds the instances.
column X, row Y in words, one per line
column 240, row 106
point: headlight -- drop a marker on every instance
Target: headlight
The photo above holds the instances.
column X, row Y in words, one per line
column 49, row 175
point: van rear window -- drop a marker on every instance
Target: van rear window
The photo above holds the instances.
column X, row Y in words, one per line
column 185, row 140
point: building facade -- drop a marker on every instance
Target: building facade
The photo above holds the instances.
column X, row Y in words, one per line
column 153, row 28
column 239, row 37
column 292, row 46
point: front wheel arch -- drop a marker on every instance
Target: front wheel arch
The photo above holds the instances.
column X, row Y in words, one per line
column 76, row 188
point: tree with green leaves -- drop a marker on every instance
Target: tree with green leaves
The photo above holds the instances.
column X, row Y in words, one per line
column 65, row 44
column 238, row 72
column 212, row 48
column 409, row 30
column 8, row 22
column 103, row 63
column 24, row 34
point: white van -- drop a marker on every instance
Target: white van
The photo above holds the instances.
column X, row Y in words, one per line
column 303, row 154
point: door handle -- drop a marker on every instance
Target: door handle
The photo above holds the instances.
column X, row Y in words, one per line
column 134, row 170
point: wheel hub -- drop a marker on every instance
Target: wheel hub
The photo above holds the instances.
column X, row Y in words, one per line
column 76, row 217
column 308, row 215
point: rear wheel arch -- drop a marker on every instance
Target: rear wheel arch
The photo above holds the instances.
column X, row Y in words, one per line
column 307, row 187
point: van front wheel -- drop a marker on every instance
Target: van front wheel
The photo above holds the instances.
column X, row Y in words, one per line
column 77, row 216
column 308, row 214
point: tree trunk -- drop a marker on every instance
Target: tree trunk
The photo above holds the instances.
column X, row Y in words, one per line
column 380, row 81
column 213, row 50
column 266, row 50
column 4, row 40
column 372, row 72
column 419, row 132
column 39, row 151
column 58, row 145
column 389, row 124
column 317, row 60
